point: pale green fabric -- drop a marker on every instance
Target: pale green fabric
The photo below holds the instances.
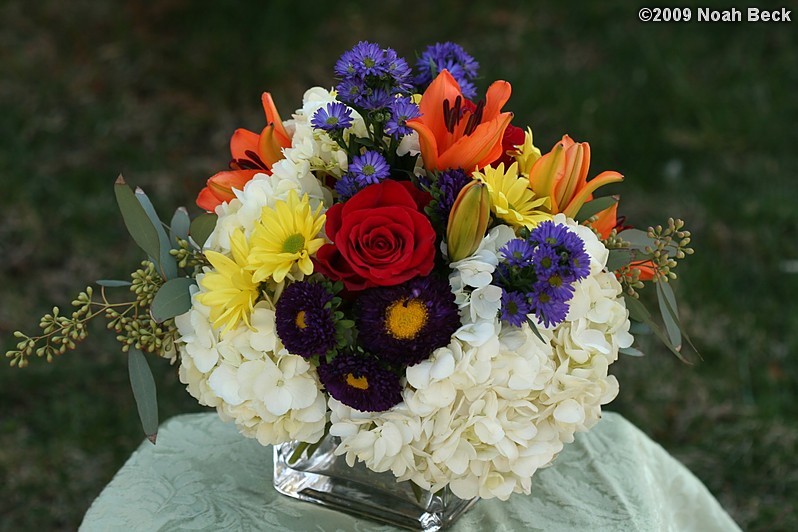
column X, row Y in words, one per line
column 203, row 475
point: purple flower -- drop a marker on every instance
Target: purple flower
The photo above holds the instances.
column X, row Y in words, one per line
column 351, row 91
column 376, row 99
column 515, row 308
column 360, row 382
column 451, row 57
column 369, row 168
column 402, row 110
column 336, row 116
column 404, row 324
column 548, row 304
column 346, row 187
column 573, row 262
column 304, row 319
column 518, row 252
column 449, row 184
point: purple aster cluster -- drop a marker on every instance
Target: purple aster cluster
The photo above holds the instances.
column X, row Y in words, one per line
column 370, row 76
column 361, row 382
column 367, row 169
column 407, row 322
column 444, row 189
column 402, row 109
column 305, row 320
column 447, row 56
column 334, row 117
column 538, row 274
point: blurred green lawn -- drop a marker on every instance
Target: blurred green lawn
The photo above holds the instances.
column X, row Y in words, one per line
column 700, row 118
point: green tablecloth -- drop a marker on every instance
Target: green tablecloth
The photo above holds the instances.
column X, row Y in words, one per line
column 203, row 475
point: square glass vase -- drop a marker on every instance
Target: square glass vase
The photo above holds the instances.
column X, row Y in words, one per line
column 327, row 480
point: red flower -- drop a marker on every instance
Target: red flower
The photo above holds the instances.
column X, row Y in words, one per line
column 379, row 238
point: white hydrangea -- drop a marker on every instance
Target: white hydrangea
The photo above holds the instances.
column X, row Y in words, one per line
column 250, row 378
column 483, row 414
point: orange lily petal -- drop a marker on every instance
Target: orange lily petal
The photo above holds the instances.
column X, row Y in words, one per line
column 606, row 220
column 443, row 87
column 573, row 179
column 273, row 117
column 547, row 172
column 480, row 148
column 242, row 141
column 220, row 187
column 269, row 146
column 498, row 94
column 428, row 144
column 582, row 196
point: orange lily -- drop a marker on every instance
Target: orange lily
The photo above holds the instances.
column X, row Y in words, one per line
column 453, row 132
column 252, row 154
column 605, row 222
column 561, row 174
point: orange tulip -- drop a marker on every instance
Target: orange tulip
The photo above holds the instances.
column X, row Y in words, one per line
column 453, row 132
column 252, row 154
column 561, row 175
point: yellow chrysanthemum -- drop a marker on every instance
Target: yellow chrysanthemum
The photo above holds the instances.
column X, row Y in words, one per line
column 511, row 198
column 286, row 235
column 527, row 153
column 230, row 290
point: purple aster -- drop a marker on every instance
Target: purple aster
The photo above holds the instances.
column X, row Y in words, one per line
column 404, row 324
column 399, row 70
column 360, row 382
column 518, row 252
column 304, row 319
column 336, row 116
column 376, row 99
column 547, row 304
column 402, row 110
column 450, row 183
column 346, row 187
column 351, row 91
column 447, row 56
column 515, row 308
column 369, row 168
column 368, row 59
column 574, row 262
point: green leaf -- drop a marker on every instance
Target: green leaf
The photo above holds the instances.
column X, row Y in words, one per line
column 143, row 385
column 535, row 330
column 173, row 299
column 136, row 219
column 166, row 262
column 637, row 328
column 109, row 283
column 637, row 311
column 201, row 228
column 594, row 207
column 631, row 351
column 670, row 313
column 637, row 239
column 179, row 226
column 621, row 257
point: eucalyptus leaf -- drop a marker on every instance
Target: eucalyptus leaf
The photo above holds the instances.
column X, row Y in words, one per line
column 637, row 239
column 136, row 219
column 173, row 299
column 179, row 226
column 535, row 330
column 670, row 313
column 111, row 283
column 631, row 351
column 637, row 311
column 201, row 228
column 637, row 328
column 618, row 258
column 143, row 385
column 591, row 208
column 166, row 262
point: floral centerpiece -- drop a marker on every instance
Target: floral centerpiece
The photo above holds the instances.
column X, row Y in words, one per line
column 400, row 267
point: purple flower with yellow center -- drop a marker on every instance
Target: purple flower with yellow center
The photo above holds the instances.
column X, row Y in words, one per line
column 572, row 261
column 360, row 382
column 518, row 252
column 369, row 168
column 402, row 110
column 548, row 303
column 515, row 307
column 304, row 319
column 336, row 116
column 447, row 56
column 351, row 91
column 404, row 324
column 376, row 99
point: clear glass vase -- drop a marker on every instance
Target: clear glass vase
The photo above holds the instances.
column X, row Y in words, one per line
column 327, row 480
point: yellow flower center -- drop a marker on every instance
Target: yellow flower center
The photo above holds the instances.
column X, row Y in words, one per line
column 300, row 319
column 361, row 383
column 404, row 319
column 294, row 243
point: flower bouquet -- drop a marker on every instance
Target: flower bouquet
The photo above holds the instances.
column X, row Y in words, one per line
column 395, row 276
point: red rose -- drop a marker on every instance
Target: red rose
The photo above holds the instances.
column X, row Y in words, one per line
column 379, row 238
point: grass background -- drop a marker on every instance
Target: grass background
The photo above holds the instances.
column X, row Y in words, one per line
column 699, row 117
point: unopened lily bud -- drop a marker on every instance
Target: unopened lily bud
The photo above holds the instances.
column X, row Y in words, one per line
column 468, row 220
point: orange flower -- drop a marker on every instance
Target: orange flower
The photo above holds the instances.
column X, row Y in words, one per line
column 561, row 174
column 252, row 154
column 455, row 133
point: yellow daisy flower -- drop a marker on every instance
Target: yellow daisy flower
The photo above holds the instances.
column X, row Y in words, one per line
column 230, row 290
column 286, row 235
column 511, row 198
